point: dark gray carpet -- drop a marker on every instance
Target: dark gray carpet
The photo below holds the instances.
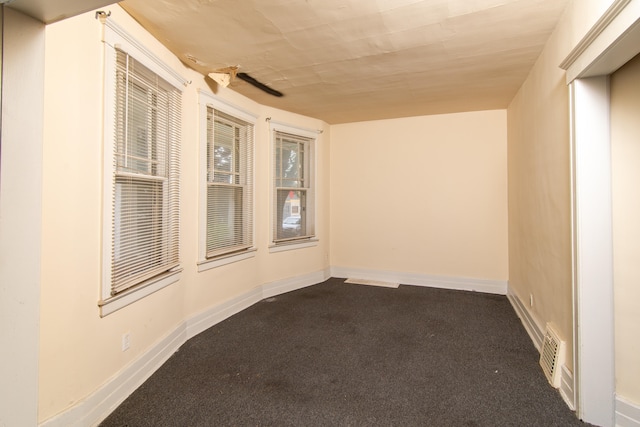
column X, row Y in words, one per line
column 336, row 354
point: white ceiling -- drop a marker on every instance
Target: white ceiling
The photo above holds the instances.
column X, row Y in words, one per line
column 49, row 11
column 352, row 60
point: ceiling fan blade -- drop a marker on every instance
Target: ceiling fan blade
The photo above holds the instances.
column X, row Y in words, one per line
column 247, row 78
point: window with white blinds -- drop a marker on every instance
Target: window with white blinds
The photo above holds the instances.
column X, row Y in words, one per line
column 229, row 182
column 293, row 188
column 145, row 202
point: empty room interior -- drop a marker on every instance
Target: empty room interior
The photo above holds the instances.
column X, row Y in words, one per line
column 166, row 165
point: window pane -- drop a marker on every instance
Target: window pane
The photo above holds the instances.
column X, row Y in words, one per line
column 145, row 234
column 289, row 163
column 293, row 194
column 229, row 222
column 138, row 146
column 226, row 160
column 138, row 237
column 291, row 214
column 224, row 217
column 290, row 160
column 223, row 142
column 138, row 130
column 236, row 150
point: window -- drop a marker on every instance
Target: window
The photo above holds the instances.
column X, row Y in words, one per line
column 293, row 191
column 227, row 209
column 141, row 182
column 146, row 190
column 229, row 184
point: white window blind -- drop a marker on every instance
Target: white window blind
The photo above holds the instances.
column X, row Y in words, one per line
column 145, row 228
column 229, row 184
column 293, row 190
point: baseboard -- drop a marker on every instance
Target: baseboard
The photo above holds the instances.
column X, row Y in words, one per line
column 216, row 314
column 627, row 413
column 97, row 406
column 220, row 312
column 535, row 331
column 566, row 388
column 456, row 283
column 294, row 283
column 100, row 403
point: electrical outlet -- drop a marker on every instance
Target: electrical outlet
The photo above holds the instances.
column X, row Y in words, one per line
column 126, row 341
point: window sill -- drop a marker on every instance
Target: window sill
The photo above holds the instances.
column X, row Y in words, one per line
column 224, row 260
column 115, row 303
column 281, row 247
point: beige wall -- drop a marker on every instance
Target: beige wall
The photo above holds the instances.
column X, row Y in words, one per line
column 452, row 167
column 79, row 351
column 625, row 151
column 539, row 178
column 424, row 195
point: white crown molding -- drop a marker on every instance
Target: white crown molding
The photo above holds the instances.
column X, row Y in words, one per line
column 609, row 44
column 607, row 18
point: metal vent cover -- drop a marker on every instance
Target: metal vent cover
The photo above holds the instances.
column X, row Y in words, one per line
column 552, row 356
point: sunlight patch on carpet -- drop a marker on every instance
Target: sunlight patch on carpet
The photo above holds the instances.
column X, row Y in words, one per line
column 371, row 283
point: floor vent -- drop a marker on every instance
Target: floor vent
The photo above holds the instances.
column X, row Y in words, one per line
column 371, row 283
column 552, row 356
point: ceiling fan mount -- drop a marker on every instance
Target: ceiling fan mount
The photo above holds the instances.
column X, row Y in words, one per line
column 224, row 76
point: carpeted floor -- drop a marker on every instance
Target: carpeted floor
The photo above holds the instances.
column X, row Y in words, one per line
column 338, row 354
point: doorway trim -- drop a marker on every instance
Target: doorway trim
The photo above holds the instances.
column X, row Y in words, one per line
column 611, row 42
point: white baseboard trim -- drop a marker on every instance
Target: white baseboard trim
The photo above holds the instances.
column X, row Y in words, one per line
column 287, row 285
column 204, row 320
column 100, row 403
column 627, row 413
column 533, row 328
column 216, row 314
column 97, row 406
column 566, row 387
column 536, row 333
column 456, row 283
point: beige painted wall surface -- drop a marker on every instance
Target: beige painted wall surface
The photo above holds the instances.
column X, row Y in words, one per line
column 625, row 153
column 79, row 351
column 539, row 178
column 423, row 195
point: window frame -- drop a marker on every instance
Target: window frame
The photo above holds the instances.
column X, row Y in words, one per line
column 115, row 37
column 207, row 100
column 279, row 245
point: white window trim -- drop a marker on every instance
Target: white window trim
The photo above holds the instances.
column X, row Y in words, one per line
column 113, row 304
column 114, row 37
column 282, row 247
column 205, row 100
column 276, row 126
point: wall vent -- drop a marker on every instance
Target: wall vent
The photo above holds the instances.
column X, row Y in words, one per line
column 552, row 356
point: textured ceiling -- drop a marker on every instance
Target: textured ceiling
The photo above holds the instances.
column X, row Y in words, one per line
column 354, row 60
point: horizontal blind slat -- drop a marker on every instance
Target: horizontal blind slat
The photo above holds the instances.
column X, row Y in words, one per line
column 229, row 184
column 145, row 240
